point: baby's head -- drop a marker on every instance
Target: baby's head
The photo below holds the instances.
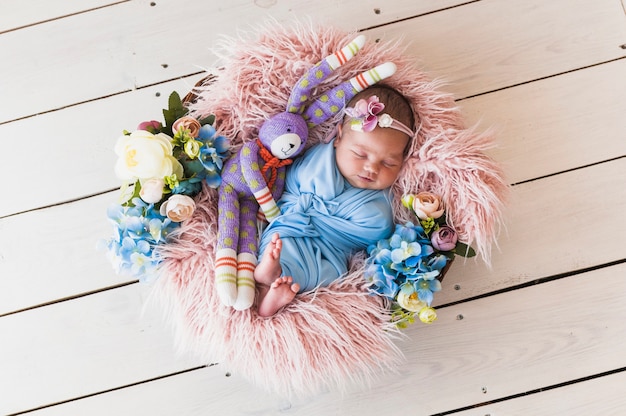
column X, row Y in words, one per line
column 373, row 139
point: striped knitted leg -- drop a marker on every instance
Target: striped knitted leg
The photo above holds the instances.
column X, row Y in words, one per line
column 320, row 71
column 226, row 275
column 227, row 241
column 374, row 75
column 267, row 203
column 247, row 249
column 246, row 262
column 346, row 53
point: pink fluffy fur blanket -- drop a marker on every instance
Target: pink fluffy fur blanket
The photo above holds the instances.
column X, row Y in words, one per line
column 338, row 334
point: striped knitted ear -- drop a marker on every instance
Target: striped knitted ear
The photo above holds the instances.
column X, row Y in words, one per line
column 314, row 76
column 332, row 102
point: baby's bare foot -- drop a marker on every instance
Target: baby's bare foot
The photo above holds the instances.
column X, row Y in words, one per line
column 281, row 292
column 268, row 270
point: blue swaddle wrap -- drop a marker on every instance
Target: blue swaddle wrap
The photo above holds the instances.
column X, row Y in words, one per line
column 324, row 219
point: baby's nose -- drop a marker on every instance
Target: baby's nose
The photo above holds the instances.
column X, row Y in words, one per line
column 371, row 167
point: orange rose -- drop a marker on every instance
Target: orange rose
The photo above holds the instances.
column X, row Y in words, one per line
column 427, row 205
column 188, row 123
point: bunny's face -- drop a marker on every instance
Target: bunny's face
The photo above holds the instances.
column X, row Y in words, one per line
column 284, row 134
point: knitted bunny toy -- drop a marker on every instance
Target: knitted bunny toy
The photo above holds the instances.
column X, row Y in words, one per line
column 254, row 177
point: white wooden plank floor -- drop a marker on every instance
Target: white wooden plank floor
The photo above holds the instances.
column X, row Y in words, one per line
column 542, row 331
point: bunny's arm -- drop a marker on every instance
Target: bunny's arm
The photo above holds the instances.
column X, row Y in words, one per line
column 251, row 170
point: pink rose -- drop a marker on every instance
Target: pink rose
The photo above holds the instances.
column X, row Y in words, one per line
column 151, row 126
column 188, row 123
column 444, row 239
column 178, row 208
column 427, row 205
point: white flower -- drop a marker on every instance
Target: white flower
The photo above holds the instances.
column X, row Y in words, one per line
column 178, row 208
column 143, row 155
column 152, row 190
column 410, row 302
column 356, row 125
column 385, row 120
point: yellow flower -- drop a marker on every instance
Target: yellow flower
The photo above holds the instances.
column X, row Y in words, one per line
column 143, row 155
column 192, row 148
column 427, row 315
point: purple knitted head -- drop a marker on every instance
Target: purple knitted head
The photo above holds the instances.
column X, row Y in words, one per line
column 284, row 135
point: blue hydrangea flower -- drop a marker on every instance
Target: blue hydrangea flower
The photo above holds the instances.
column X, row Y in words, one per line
column 382, row 280
column 208, row 136
column 433, row 262
column 138, row 229
column 405, row 262
column 425, row 285
column 212, row 154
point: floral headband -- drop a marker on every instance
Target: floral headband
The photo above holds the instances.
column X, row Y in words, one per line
column 366, row 115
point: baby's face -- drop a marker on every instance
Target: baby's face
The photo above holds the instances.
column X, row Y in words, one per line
column 370, row 160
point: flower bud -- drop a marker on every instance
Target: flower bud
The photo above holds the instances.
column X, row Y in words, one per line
column 152, row 190
column 188, row 123
column 178, row 208
column 444, row 239
column 151, row 126
column 427, row 315
column 192, row 148
column 407, row 200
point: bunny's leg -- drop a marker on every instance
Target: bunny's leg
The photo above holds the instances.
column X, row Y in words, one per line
column 227, row 240
column 246, row 259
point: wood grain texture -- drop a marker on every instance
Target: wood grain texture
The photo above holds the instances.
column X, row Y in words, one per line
column 601, row 396
column 15, row 14
column 133, row 44
column 555, row 124
column 491, row 44
column 554, row 225
column 78, row 347
column 62, row 260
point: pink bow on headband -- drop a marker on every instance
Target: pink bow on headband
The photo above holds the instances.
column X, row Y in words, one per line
column 366, row 115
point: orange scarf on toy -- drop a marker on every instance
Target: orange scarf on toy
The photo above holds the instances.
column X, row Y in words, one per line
column 271, row 162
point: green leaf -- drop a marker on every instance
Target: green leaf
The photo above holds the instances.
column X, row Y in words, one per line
column 174, row 111
column 464, row 250
column 207, row 120
column 128, row 193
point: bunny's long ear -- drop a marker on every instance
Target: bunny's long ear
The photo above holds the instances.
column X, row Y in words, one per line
column 335, row 100
column 314, row 76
